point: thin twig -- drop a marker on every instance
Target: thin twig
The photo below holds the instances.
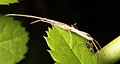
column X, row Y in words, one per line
column 61, row 25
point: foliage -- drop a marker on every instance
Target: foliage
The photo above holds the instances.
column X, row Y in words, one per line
column 69, row 48
column 13, row 40
column 7, row 2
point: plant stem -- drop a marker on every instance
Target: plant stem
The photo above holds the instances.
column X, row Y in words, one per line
column 110, row 53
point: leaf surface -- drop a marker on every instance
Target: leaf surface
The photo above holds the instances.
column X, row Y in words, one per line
column 69, row 48
column 13, row 40
column 7, row 2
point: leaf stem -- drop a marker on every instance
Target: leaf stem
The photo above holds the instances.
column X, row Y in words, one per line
column 110, row 54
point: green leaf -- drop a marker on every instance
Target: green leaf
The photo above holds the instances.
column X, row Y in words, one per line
column 7, row 2
column 13, row 40
column 69, row 48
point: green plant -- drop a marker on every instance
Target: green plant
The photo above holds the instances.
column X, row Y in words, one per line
column 13, row 40
column 66, row 47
